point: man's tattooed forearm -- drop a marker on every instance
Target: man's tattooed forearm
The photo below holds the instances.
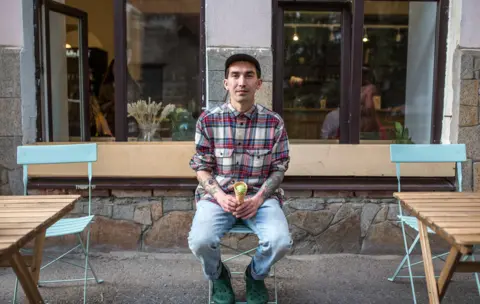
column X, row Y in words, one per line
column 210, row 185
column 271, row 184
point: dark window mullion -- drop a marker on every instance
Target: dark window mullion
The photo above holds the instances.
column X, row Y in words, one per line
column 278, row 54
column 202, row 60
column 48, row 79
column 441, row 33
column 345, row 75
column 120, row 42
column 85, row 77
column 356, row 79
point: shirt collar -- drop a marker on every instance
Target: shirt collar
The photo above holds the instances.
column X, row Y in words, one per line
column 249, row 114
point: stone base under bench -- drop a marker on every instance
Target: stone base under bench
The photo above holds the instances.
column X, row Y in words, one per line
column 320, row 222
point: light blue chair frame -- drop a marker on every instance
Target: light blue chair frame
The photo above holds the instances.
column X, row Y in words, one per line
column 240, row 228
column 424, row 153
column 64, row 154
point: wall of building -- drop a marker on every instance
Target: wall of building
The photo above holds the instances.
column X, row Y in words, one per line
column 461, row 123
column 11, row 27
column 246, row 31
column 11, row 46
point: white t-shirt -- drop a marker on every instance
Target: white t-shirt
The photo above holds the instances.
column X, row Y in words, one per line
column 331, row 124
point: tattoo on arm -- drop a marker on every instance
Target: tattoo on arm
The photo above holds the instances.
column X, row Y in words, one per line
column 209, row 184
column 271, row 184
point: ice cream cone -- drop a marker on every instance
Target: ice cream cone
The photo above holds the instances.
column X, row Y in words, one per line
column 239, row 195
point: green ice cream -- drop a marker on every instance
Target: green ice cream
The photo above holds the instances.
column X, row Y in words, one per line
column 241, row 189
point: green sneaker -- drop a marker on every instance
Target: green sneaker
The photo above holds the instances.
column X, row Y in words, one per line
column 257, row 292
column 222, row 291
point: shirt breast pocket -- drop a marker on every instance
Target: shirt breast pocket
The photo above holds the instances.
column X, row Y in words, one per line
column 259, row 160
column 224, row 158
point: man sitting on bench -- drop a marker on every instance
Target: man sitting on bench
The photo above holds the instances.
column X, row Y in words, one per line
column 240, row 141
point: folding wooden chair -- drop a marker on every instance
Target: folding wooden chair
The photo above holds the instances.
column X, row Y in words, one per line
column 424, row 153
column 63, row 154
column 240, row 228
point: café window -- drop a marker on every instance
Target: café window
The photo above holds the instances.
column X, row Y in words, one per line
column 160, row 67
column 163, row 54
column 317, row 56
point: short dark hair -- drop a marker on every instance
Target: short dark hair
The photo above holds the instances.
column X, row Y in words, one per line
column 242, row 57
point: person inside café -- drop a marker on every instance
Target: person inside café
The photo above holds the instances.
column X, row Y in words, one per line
column 369, row 120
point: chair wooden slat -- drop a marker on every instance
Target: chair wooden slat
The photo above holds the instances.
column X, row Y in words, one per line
column 15, row 231
column 20, row 214
column 38, row 220
column 449, row 213
column 448, row 202
column 14, row 225
column 30, row 210
column 447, row 218
column 38, row 202
column 447, row 208
column 430, row 195
column 31, row 205
column 8, row 239
column 460, row 231
column 468, row 239
column 38, row 197
column 446, row 224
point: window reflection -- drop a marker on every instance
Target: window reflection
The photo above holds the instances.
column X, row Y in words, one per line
column 311, row 73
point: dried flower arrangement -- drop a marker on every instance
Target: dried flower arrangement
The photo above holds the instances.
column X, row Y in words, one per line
column 146, row 113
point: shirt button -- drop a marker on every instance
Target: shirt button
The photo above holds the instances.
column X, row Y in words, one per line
column 241, row 123
column 238, row 163
column 239, row 144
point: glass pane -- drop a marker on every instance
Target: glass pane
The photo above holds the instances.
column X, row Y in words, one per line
column 399, row 46
column 163, row 59
column 312, row 57
column 65, row 80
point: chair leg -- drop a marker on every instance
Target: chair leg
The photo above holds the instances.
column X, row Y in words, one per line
column 99, row 281
column 209, row 292
column 476, row 274
column 275, row 285
column 408, row 263
column 400, row 266
column 86, row 266
column 15, row 290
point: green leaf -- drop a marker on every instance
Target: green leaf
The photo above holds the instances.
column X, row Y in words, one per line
column 398, row 127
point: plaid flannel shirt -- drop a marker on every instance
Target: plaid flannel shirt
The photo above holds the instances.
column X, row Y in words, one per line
column 240, row 147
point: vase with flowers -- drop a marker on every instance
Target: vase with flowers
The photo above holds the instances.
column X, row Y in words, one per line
column 149, row 114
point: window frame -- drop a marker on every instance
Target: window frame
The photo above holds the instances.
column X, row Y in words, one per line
column 43, row 74
column 350, row 111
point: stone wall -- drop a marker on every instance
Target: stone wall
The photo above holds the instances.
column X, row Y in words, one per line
column 320, row 222
column 10, row 120
column 468, row 115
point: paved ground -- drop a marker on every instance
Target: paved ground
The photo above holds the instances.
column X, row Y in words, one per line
column 177, row 278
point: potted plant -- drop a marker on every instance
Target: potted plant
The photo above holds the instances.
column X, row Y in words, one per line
column 401, row 134
column 183, row 124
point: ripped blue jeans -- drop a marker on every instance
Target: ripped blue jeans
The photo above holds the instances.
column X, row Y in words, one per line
column 211, row 222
